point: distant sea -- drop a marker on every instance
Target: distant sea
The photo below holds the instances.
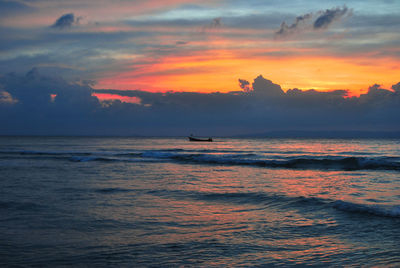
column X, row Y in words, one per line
column 168, row 202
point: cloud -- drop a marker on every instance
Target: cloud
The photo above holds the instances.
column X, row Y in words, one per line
column 329, row 16
column 396, row 88
column 300, row 21
column 245, row 85
column 6, row 98
column 40, row 104
column 66, row 21
column 323, row 21
column 265, row 87
column 35, row 90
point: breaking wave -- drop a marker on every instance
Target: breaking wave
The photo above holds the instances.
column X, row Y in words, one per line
column 341, row 163
column 215, row 157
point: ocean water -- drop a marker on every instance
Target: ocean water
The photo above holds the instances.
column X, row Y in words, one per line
column 168, row 202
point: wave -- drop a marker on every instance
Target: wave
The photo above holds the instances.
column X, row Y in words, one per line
column 233, row 158
column 286, row 202
column 112, row 190
column 32, row 152
column 92, row 158
column 239, row 197
column 386, row 211
column 327, row 162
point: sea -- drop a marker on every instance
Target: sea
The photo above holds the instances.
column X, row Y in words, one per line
column 168, row 202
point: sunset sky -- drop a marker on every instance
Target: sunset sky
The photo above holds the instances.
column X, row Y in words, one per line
column 199, row 46
column 205, row 46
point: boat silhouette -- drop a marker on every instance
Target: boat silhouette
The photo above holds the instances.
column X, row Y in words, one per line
column 191, row 138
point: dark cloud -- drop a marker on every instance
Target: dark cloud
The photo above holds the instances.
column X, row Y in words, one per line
column 39, row 104
column 286, row 29
column 323, row 21
column 66, row 21
column 329, row 16
column 265, row 87
column 396, row 88
column 34, row 89
column 245, row 85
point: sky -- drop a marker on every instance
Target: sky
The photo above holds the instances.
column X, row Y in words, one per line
column 146, row 67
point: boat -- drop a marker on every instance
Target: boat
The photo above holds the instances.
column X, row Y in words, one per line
column 199, row 139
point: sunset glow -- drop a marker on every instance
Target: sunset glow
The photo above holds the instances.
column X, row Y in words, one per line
column 192, row 46
column 232, row 66
column 213, row 72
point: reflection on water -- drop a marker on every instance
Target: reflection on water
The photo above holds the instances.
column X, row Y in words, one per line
column 168, row 202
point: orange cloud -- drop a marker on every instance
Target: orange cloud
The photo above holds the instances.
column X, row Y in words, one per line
column 105, row 96
column 218, row 70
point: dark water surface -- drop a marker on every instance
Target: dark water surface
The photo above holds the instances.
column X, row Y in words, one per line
column 169, row 202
